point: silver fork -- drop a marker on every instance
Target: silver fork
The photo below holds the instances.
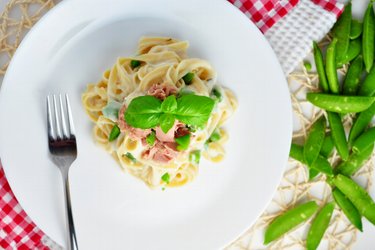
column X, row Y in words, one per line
column 63, row 148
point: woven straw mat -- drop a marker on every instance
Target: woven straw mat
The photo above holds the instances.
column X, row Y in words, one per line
column 20, row 15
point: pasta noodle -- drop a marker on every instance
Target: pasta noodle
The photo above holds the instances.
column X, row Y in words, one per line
column 160, row 69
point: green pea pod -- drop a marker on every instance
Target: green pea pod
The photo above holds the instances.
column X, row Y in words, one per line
column 340, row 104
column 341, row 31
column 348, row 208
column 289, row 220
column 319, row 63
column 314, row 141
column 319, row 226
column 338, row 135
column 368, row 86
column 361, row 123
column 354, row 162
column 357, row 195
column 327, row 146
column 313, row 173
column 331, row 72
column 355, row 29
column 364, row 141
column 296, row 152
column 355, row 47
column 368, row 37
column 322, row 165
column 353, row 76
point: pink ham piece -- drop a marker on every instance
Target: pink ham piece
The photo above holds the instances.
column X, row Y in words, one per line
column 162, row 90
column 162, row 152
column 134, row 133
column 171, row 134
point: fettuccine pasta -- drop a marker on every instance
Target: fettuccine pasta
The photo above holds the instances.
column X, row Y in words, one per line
column 157, row 112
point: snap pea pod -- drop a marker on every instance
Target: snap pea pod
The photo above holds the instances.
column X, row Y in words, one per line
column 355, row 29
column 338, row 135
column 319, row 63
column 355, row 47
column 364, row 141
column 327, row 146
column 289, row 220
column 341, row 31
column 319, row 226
column 368, row 86
column 368, row 37
column 361, row 123
column 351, row 83
column 340, row 104
column 314, row 141
column 331, row 67
column 348, row 208
column 354, row 162
column 357, row 195
column 320, row 164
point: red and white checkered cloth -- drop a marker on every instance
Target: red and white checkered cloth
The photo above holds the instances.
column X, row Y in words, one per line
column 17, row 231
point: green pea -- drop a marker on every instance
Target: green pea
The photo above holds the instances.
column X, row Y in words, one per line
column 352, row 78
column 361, row 123
column 319, row 226
column 354, row 162
column 368, row 86
column 355, row 29
column 364, row 141
column 355, row 48
column 348, row 208
column 327, row 146
column 314, row 141
column 289, row 220
column 319, row 63
column 341, row 31
column 307, row 66
column 135, row 63
column 115, row 132
column 368, row 37
column 340, row 104
column 357, row 195
column 338, row 135
column 131, row 157
column 188, row 78
column 331, row 67
column 166, row 178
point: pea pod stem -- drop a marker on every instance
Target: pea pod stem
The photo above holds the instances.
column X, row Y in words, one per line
column 350, row 211
column 338, row 135
column 289, row 220
column 319, row 226
column 368, row 37
column 357, row 195
column 340, row 104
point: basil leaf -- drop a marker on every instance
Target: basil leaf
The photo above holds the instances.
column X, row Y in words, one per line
column 183, row 142
column 169, row 105
column 150, row 139
column 194, row 109
column 143, row 112
column 166, row 122
column 115, row 132
column 166, row 178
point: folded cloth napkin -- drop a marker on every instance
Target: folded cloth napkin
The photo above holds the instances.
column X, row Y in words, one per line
column 289, row 25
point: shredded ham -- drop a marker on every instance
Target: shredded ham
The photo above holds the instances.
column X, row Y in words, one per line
column 134, row 133
column 162, row 90
column 171, row 134
column 162, row 152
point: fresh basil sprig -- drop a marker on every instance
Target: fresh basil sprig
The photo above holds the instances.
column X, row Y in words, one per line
column 148, row 111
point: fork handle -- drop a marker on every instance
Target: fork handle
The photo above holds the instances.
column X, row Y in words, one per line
column 72, row 239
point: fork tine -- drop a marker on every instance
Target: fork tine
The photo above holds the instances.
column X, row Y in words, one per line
column 70, row 116
column 57, row 119
column 64, row 128
column 51, row 129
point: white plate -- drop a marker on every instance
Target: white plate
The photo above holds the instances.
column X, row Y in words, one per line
column 70, row 47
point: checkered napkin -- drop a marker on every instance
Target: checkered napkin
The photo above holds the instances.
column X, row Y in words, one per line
column 289, row 25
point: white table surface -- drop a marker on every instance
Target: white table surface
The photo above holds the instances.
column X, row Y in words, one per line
column 365, row 240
